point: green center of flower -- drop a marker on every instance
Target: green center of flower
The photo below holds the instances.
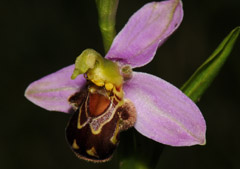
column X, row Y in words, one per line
column 98, row 70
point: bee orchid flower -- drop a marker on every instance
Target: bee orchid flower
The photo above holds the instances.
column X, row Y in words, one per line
column 159, row 111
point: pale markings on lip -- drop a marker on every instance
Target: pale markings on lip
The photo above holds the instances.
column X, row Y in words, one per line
column 79, row 125
column 97, row 123
column 75, row 145
column 113, row 139
column 92, row 152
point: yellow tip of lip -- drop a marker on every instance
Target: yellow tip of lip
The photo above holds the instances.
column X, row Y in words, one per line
column 74, row 145
column 92, row 152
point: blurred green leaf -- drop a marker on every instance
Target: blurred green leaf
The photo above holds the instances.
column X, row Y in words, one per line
column 205, row 74
column 107, row 10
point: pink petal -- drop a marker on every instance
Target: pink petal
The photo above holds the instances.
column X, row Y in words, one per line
column 145, row 31
column 164, row 113
column 52, row 91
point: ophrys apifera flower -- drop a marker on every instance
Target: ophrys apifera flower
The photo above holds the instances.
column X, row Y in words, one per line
column 108, row 97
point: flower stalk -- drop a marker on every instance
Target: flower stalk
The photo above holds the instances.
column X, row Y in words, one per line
column 138, row 152
column 106, row 19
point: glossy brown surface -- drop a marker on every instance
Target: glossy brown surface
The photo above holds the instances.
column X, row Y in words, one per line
column 97, row 104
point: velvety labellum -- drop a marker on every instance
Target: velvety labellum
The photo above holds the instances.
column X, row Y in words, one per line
column 93, row 130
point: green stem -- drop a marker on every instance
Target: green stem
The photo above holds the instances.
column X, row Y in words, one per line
column 137, row 151
column 106, row 17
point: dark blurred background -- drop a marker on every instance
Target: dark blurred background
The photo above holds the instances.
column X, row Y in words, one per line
column 38, row 37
